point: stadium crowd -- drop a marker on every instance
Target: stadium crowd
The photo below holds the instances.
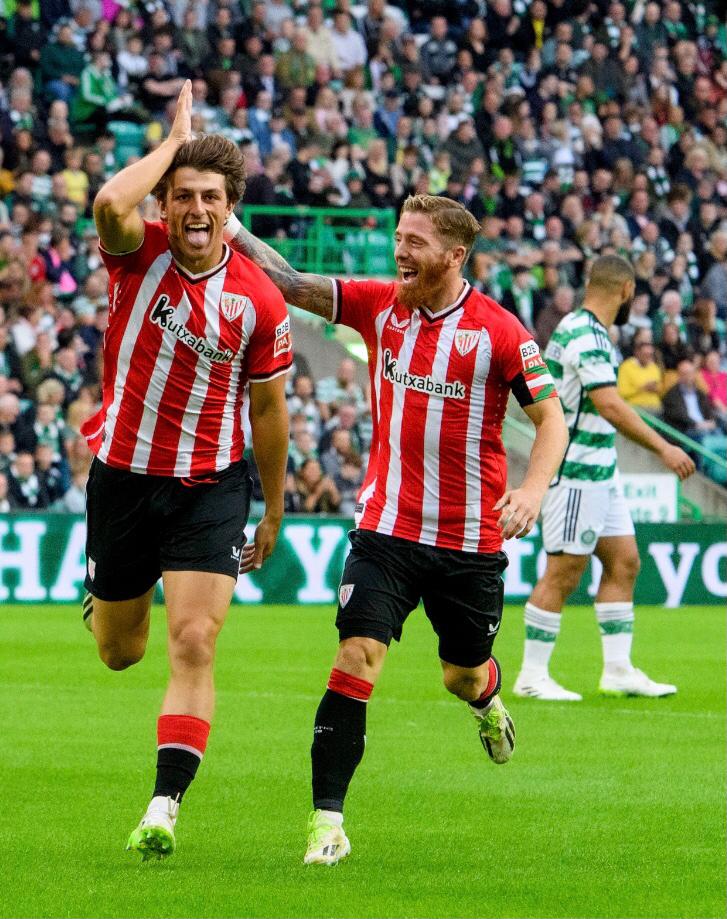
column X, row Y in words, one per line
column 570, row 129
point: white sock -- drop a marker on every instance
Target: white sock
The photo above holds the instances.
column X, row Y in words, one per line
column 541, row 630
column 616, row 625
column 334, row 817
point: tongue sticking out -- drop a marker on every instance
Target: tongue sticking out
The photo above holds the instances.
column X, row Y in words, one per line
column 198, row 237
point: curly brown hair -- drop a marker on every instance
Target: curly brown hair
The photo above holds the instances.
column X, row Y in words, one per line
column 209, row 153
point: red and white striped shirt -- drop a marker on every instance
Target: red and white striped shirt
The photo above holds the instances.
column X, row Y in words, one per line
column 178, row 352
column 440, row 384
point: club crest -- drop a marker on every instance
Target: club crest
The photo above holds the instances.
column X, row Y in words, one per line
column 344, row 593
column 232, row 305
column 465, row 340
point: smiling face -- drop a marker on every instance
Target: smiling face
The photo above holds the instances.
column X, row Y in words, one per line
column 195, row 210
column 426, row 264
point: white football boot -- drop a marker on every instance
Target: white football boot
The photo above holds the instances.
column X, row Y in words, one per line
column 154, row 837
column 497, row 732
column 629, row 681
column 542, row 686
column 327, row 842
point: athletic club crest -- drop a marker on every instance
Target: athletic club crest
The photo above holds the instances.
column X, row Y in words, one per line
column 232, row 305
column 465, row 340
column 344, row 593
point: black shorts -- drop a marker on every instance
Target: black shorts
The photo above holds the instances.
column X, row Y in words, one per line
column 140, row 525
column 385, row 577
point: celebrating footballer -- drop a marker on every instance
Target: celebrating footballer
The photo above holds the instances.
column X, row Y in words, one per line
column 433, row 509
column 191, row 322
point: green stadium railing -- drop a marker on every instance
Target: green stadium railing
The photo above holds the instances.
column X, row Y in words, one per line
column 331, row 241
column 687, row 509
column 716, row 463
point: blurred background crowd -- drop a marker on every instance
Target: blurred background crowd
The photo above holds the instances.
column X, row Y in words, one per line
column 570, row 129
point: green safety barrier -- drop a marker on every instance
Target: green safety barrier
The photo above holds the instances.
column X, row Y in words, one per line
column 42, row 561
column 331, row 241
column 713, row 464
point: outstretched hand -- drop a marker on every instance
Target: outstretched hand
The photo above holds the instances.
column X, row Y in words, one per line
column 181, row 130
column 520, row 509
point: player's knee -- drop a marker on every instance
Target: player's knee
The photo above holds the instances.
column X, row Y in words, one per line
column 193, row 644
column 120, row 657
column 566, row 579
column 360, row 655
column 624, row 568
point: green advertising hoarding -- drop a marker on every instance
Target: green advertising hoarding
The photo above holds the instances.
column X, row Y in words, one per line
column 42, row 561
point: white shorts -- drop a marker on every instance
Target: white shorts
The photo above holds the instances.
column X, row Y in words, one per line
column 575, row 518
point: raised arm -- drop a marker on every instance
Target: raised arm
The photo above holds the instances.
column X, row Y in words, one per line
column 115, row 208
column 612, row 407
column 311, row 292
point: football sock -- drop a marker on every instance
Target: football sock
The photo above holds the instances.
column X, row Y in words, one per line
column 181, row 742
column 87, row 608
column 616, row 625
column 339, row 738
column 541, row 630
column 491, row 690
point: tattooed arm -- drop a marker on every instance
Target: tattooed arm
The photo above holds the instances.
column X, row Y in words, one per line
column 311, row 292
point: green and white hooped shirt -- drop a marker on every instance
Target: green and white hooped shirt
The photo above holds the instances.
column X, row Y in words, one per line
column 581, row 358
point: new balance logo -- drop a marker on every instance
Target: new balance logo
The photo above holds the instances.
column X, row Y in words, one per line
column 161, row 315
column 426, row 384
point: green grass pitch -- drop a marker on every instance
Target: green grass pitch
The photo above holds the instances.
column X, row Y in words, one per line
column 609, row 808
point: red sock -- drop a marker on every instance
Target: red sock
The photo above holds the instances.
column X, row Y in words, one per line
column 493, row 685
column 185, row 732
column 345, row 684
column 181, row 742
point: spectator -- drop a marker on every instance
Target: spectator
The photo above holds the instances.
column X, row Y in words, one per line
column 714, row 380
column 686, row 407
column 438, row 53
column 303, row 402
column 316, row 491
column 714, row 286
column 296, row 67
column 348, row 44
column 640, row 377
column 671, row 351
column 550, row 316
column 345, row 418
column 60, row 66
column 333, row 392
column 25, row 489
column 705, row 332
column 670, row 310
column 16, row 422
column 74, row 500
column 49, row 473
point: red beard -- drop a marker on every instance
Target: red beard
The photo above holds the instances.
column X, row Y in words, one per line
column 422, row 291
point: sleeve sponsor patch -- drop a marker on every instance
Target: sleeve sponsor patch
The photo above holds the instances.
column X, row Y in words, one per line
column 282, row 338
column 536, row 376
column 530, row 355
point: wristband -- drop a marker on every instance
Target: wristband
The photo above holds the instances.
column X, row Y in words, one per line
column 231, row 228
